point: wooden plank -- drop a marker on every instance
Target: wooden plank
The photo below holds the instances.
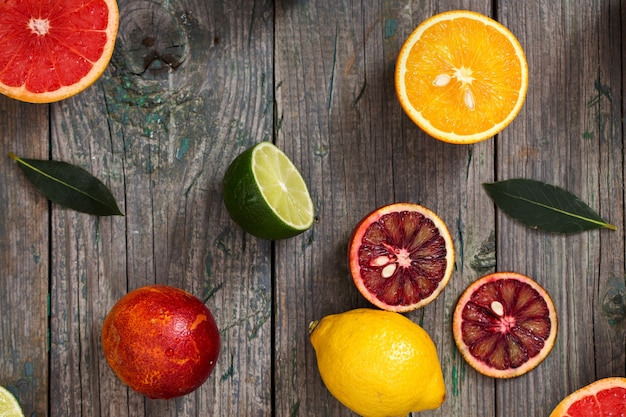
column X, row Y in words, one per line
column 605, row 117
column 188, row 88
column 340, row 121
column 567, row 135
column 24, row 258
column 88, row 268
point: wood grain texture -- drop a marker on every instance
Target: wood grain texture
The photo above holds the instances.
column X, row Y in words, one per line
column 193, row 83
column 189, row 87
column 566, row 123
column 24, row 258
column 335, row 95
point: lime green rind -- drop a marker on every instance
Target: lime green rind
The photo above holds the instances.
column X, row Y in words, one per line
column 251, row 209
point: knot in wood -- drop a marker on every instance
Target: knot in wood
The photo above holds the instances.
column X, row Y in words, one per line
column 152, row 40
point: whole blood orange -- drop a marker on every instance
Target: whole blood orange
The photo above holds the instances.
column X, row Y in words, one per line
column 51, row 50
column 401, row 256
column 504, row 324
column 161, row 341
column 605, row 397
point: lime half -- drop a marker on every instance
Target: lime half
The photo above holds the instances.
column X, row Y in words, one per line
column 265, row 194
column 9, row 407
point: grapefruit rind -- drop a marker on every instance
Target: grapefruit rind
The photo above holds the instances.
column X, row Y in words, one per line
column 417, row 117
column 23, row 94
column 357, row 237
column 480, row 366
column 591, row 390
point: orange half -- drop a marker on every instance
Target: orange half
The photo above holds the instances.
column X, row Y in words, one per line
column 461, row 77
column 51, row 50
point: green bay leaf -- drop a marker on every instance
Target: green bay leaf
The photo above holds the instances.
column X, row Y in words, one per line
column 544, row 206
column 69, row 185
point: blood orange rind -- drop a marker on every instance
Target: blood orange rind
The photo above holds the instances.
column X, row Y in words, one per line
column 504, row 324
column 161, row 341
column 604, row 397
column 401, row 267
column 54, row 50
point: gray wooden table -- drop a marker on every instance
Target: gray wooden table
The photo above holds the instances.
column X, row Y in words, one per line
column 192, row 83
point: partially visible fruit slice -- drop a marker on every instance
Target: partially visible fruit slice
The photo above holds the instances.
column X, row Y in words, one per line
column 401, row 256
column 9, row 407
column 52, row 50
column 504, row 324
column 605, row 397
column 461, row 76
column 265, row 194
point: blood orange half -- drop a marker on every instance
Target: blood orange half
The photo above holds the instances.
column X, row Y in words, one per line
column 504, row 324
column 401, row 256
column 605, row 397
column 51, row 50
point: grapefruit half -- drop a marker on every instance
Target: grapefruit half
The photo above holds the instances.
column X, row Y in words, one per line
column 52, row 50
column 605, row 397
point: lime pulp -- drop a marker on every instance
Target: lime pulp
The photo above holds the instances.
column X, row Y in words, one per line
column 265, row 194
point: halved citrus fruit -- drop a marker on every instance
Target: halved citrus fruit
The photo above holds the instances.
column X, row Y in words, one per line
column 604, row 397
column 9, row 407
column 265, row 194
column 504, row 324
column 461, row 76
column 401, row 256
column 50, row 51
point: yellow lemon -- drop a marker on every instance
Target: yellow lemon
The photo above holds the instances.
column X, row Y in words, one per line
column 378, row 363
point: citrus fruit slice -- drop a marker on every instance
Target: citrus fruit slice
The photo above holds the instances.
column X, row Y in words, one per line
column 9, row 407
column 604, row 397
column 461, row 76
column 402, row 372
column 50, row 51
column 504, row 324
column 265, row 194
column 401, row 256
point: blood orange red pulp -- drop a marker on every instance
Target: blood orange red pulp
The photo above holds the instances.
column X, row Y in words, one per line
column 161, row 341
column 504, row 324
column 401, row 256
column 51, row 50
column 605, row 397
